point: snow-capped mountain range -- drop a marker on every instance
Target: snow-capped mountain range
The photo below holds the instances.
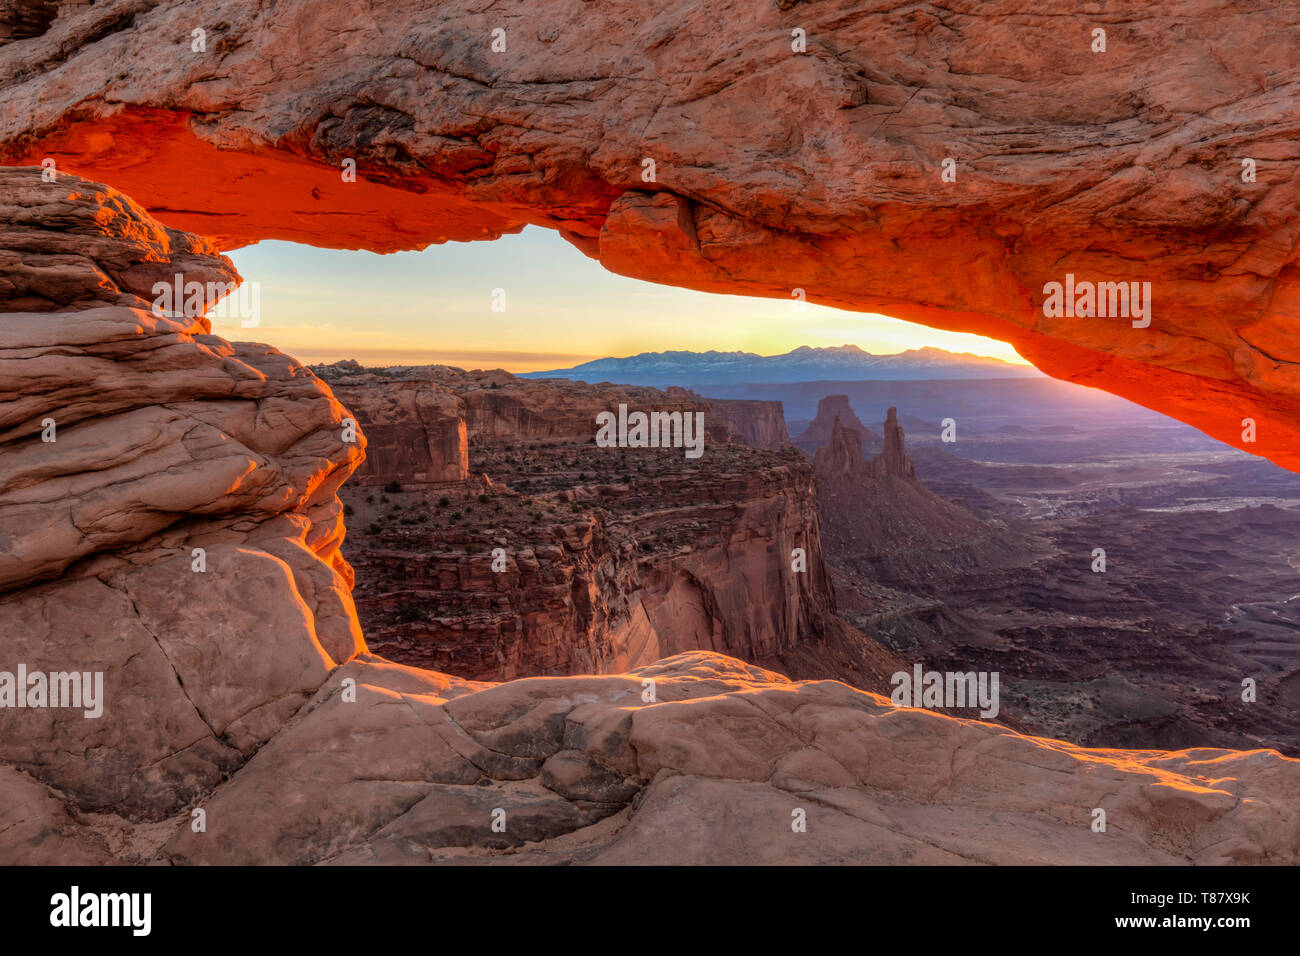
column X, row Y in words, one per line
column 804, row 364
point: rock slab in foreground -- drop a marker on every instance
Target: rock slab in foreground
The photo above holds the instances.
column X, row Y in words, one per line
column 418, row 766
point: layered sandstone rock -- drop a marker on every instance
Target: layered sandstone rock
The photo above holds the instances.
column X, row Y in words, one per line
column 68, row 243
column 684, row 562
column 610, row 557
column 20, row 19
column 168, row 511
column 776, row 167
column 415, row 430
column 696, row 759
column 421, row 419
column 501, row 407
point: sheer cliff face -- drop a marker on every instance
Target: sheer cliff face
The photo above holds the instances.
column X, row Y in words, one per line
column 169, row 512
column 761, row 424
column 415, row 432
column 618, row 588
column 611, row 558
column 1152, row 162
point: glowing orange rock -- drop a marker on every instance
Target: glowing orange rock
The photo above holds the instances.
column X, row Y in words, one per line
column 940, row 169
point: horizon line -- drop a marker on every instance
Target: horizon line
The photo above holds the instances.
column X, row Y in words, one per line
column 523, row 361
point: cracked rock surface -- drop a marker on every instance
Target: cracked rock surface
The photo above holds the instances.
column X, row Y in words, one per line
column 414, row 767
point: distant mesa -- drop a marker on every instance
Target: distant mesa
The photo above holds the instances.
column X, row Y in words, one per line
column 411, row 407
column 804, row 364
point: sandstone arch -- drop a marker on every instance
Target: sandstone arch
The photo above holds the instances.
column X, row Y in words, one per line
column 774, row 170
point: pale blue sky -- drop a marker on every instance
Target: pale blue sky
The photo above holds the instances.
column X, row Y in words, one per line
column 561, row 309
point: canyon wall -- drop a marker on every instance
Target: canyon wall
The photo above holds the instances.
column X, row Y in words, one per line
column 941, row 165
column 415, row 430
column 611, row 557
column 684, row 563
column 761, row 424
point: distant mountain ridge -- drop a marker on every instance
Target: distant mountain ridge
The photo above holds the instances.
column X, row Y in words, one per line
column 845, row 363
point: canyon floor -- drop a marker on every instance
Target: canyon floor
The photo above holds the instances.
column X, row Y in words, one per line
column 1200, row 542
column 1202, row 572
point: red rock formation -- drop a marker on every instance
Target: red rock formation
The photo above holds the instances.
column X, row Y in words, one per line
column 893, row 460
column 415, row 430
column 502, row 407
column 842, row 455
column 697, row 560
column 169, row 514
column 242, row 688
column 761, row 424
column 696, row 759
column 881, row 524
column 667, row 555
column 830, row 410
column 1127, row 166
column 20, row 19
column 105, row 250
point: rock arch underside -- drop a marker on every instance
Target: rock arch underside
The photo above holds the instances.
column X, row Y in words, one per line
column 773, row 171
